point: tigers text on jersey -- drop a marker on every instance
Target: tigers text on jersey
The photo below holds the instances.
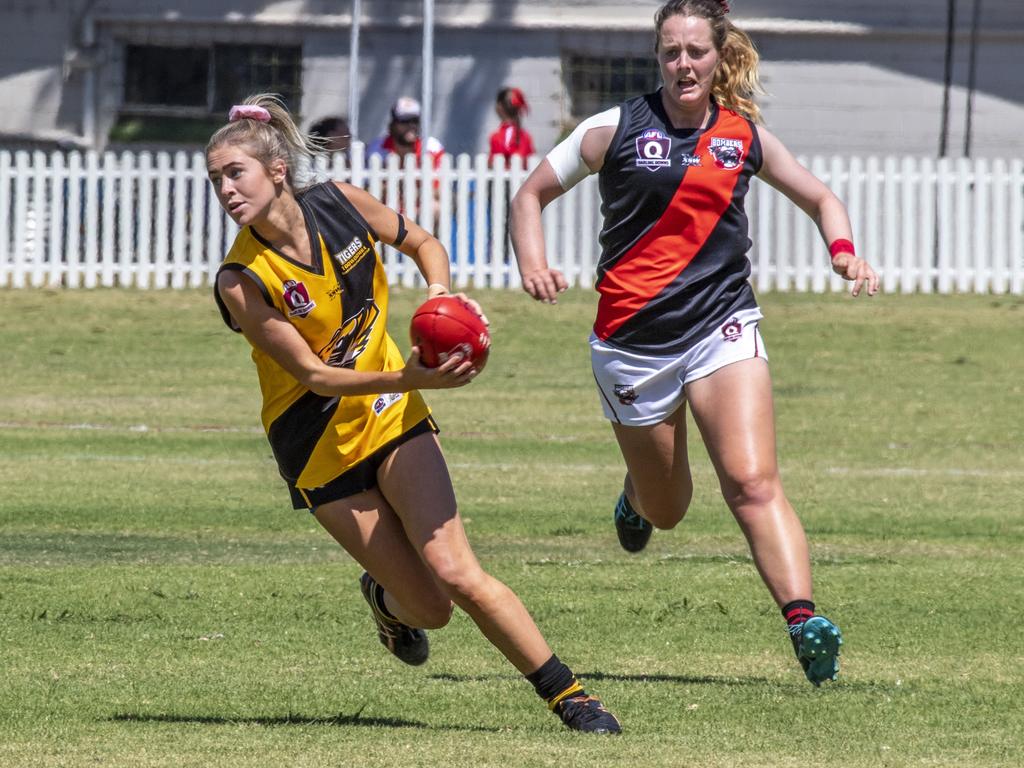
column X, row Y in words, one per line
column 339, row 306
column 674, row 242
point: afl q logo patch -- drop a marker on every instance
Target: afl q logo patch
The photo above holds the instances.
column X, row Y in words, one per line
column 727, row 153
column 652, row 150
column 732, row 330
column 297, row 298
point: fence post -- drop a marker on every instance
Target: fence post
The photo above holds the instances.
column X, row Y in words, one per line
column 108, row 179
column 1017, row 227
column 980, row 244
column 127, row 222
column 162, row 233
column 481, row 266
column 21, row 169
column 926, row 229
column 58, row 221
column 963, row 240
column 197, row 256
column 1001, row 192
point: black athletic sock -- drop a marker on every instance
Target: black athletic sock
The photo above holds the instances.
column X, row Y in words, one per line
column 554, row 681
column 798, row 611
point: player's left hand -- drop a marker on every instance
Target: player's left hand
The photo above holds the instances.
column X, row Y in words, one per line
column 475, row 306
column 850, row 267
column 436, row 289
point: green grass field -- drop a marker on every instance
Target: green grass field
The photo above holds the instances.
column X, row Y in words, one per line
column 161, row 605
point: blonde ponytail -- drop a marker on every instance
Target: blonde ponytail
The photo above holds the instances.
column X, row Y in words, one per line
column 273, row 135
column 737, row 81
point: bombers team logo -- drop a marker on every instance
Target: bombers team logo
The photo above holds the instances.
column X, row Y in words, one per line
column 297, row 298
column 727, row 153
column 652, row 150
column 626, row 393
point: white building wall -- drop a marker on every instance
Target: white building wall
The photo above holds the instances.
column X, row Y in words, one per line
column 862, row 77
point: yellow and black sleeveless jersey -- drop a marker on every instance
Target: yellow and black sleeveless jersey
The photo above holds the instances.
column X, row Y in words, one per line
column 339, row 306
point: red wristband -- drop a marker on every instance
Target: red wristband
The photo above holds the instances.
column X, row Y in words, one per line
column 841, row 246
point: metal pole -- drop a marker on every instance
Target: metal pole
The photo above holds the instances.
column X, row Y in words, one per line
column 948, row 76
column 972, row 76
column 353, row 69
column 427, row 96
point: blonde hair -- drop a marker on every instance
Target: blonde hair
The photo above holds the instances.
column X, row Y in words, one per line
column 278, row 139
column 737, row 82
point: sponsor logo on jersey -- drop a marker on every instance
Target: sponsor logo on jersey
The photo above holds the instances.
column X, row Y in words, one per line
column 626, row 393
column 297, row 298
column 384, row 402
column 727, row 153
column 732, row 330
column 349, row 256
column 689, row 160
column 652, row 150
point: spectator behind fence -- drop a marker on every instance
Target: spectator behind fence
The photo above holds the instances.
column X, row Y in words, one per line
column 511, row 138
column 402, row 139
column 403, row 136
column 334, row 134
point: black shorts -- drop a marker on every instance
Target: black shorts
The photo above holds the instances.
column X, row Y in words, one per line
column 358, row 478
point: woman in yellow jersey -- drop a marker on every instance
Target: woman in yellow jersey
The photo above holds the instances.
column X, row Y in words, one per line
column 350, row 432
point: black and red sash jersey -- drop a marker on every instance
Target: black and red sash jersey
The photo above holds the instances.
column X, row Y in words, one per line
column 673, row 265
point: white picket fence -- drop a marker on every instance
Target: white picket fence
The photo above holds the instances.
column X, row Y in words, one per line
column 150, row 220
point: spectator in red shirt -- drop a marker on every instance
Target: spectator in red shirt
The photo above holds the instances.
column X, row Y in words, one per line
column 511, row 138
column 403, row 136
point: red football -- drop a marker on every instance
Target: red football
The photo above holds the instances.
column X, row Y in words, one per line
column 445, row 325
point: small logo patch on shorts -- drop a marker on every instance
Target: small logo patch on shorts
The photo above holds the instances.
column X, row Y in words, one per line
column 732, row 330
column 625, row 393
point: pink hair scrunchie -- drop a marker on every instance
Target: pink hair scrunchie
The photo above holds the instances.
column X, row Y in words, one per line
column 248, row 112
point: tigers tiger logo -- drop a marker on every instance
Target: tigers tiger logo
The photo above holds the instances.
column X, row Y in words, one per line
column 352, row 338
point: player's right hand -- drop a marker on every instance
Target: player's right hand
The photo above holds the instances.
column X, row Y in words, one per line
column 544, row 284
column 456, row 371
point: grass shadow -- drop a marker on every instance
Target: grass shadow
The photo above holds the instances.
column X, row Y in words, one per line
column 292, row 718
column 587, row 676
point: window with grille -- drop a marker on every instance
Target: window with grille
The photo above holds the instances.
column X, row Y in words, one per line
column 202, row 80
column 595, row 83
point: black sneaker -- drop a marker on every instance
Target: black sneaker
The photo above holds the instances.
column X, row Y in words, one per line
column 634, row 532
column 587, row 713
column 408, row 644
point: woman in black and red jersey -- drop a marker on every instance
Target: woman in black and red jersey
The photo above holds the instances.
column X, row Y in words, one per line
column 677, row 320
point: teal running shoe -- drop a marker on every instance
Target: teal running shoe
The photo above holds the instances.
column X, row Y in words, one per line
column 817, row 643
column 633, row 531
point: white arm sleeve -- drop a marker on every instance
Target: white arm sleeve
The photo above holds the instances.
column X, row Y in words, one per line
column 567, row 158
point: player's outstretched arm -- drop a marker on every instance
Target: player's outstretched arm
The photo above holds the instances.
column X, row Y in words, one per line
column 809, row 193
column 539, row 280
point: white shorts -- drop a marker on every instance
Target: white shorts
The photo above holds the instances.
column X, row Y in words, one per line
column 637, row 390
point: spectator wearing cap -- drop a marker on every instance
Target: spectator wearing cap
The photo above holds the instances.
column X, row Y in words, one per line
column 403, row 136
